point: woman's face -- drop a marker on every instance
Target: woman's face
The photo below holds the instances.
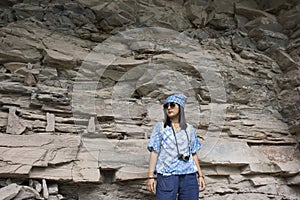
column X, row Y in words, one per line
column 172, row 110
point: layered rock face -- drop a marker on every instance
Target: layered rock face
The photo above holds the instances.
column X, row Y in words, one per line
column 82, row 84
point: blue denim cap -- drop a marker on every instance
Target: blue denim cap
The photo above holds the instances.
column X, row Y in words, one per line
column 177, row 98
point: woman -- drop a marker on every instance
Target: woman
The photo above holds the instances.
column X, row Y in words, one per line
column 173, row 146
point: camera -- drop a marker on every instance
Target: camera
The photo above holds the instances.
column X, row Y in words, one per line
column 185, row 157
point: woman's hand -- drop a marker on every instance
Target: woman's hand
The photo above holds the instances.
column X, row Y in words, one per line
column 151, row 182
column 202, row 183
column 151, row 185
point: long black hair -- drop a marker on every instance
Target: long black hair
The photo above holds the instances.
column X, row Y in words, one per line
column 182, row 121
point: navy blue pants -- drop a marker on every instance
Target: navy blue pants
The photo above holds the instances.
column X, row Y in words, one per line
column 186, row 186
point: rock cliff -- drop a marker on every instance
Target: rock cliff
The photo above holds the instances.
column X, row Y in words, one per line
column 82, row 84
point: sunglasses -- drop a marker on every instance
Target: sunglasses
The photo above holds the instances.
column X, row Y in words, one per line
column 172, row 105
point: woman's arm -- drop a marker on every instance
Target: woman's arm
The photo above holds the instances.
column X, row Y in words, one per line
column 200, row 174
column 151, row 183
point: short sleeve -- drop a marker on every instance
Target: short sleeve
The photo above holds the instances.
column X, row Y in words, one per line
column 195, row 143
column 155, row 138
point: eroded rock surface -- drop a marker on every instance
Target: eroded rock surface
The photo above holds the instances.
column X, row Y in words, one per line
column 82, row 84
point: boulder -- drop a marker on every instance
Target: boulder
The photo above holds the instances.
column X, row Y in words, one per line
column 9, row 192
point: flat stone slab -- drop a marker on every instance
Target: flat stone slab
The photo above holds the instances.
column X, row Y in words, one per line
column 10, row 191
column 128, row 159
column 54, row 157
column 228, row 152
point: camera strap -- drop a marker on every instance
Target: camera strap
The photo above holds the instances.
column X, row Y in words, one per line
column 177, row 142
